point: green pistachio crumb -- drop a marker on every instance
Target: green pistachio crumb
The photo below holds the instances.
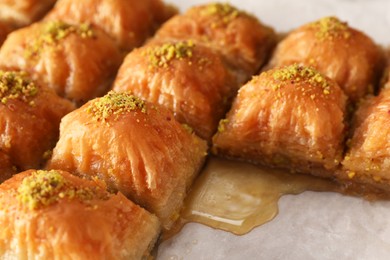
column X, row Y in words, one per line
column 115, row 104
column 221, row 125
column 43, row 188
column 224, row 11
column 188, row 128
column 16, row 85
column 330, row 27
column 161, row 56
column 55, row 31
column 298, row 74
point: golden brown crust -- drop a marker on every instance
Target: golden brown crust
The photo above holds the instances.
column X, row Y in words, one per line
column 367, row 160
column 292, row 117
column 342, row 53
column 103, row 226
column 385, row 80
column 29, row 124
column 128, row 22
column 138, row 149
column 5, row 29
column 6, row 167
column 193, row 83
column 20, row 13
column 78, row 65
column 240, row 37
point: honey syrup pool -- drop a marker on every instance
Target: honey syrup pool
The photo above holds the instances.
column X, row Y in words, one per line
column 237, row 197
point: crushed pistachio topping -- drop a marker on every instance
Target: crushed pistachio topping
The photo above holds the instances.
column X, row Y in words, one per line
column 44, row 188
column 224, row 11
column 297, row 73
column 161, row 56
column 221, row 125
column 16, row 85
column 115, row 104
column 54, row 31
column 188, row 128
column 330, row 27
column 351, row 174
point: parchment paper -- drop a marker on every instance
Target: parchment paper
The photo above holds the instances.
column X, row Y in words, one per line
column 311, row 225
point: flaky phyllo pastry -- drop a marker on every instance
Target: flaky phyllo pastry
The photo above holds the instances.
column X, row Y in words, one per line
column 135, row 147
column 128, row 22
column 78, row 61
column 122, row 130
column 189, row 79
column 367, row 160
column 54, row 214
column 196, row 62
column 291, row 117
column 241, row 38
column 337, row 50
column 30, row 115
column 19, row 13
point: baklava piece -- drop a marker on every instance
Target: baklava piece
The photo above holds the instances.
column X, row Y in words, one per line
column 291, row 117
column 189, row 79
column 20, row 13
column 368, row 158
column 128, row 22
column 135, row 147
column 53, row 214
column 240, row 37
column 30, row 116
column 342, row 53
column 78, row 62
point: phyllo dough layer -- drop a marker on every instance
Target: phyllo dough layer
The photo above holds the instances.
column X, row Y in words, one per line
column 240, row 37
column 19, row 13
column 368, row 158
column 128, row 22
column 189, row 79
column 342, row 53
column 291, row 117
column 55, row 215
column 30, row 115
column 78, row 62
column 135, row 147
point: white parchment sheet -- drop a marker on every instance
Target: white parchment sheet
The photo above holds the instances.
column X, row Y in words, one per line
column 311, row 225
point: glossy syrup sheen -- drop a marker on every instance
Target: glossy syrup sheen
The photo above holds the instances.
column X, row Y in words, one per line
column 238, row 197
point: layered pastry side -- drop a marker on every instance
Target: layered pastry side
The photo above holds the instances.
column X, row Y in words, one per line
column 78, row 62
column 53, row 214
column 245, row 42
column 189, row 79
column 19, row 13
column 136, row 147
column 291, row 117
column 342, row 53
column 30, row 115
column 128, row 22
column 367, row 161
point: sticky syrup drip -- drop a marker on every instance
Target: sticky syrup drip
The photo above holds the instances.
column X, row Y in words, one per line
column 238, row 197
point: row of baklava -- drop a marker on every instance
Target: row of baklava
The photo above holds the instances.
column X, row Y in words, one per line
column 313, row 110
column 145, row 149
column 142, row 139
column 74, row 53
